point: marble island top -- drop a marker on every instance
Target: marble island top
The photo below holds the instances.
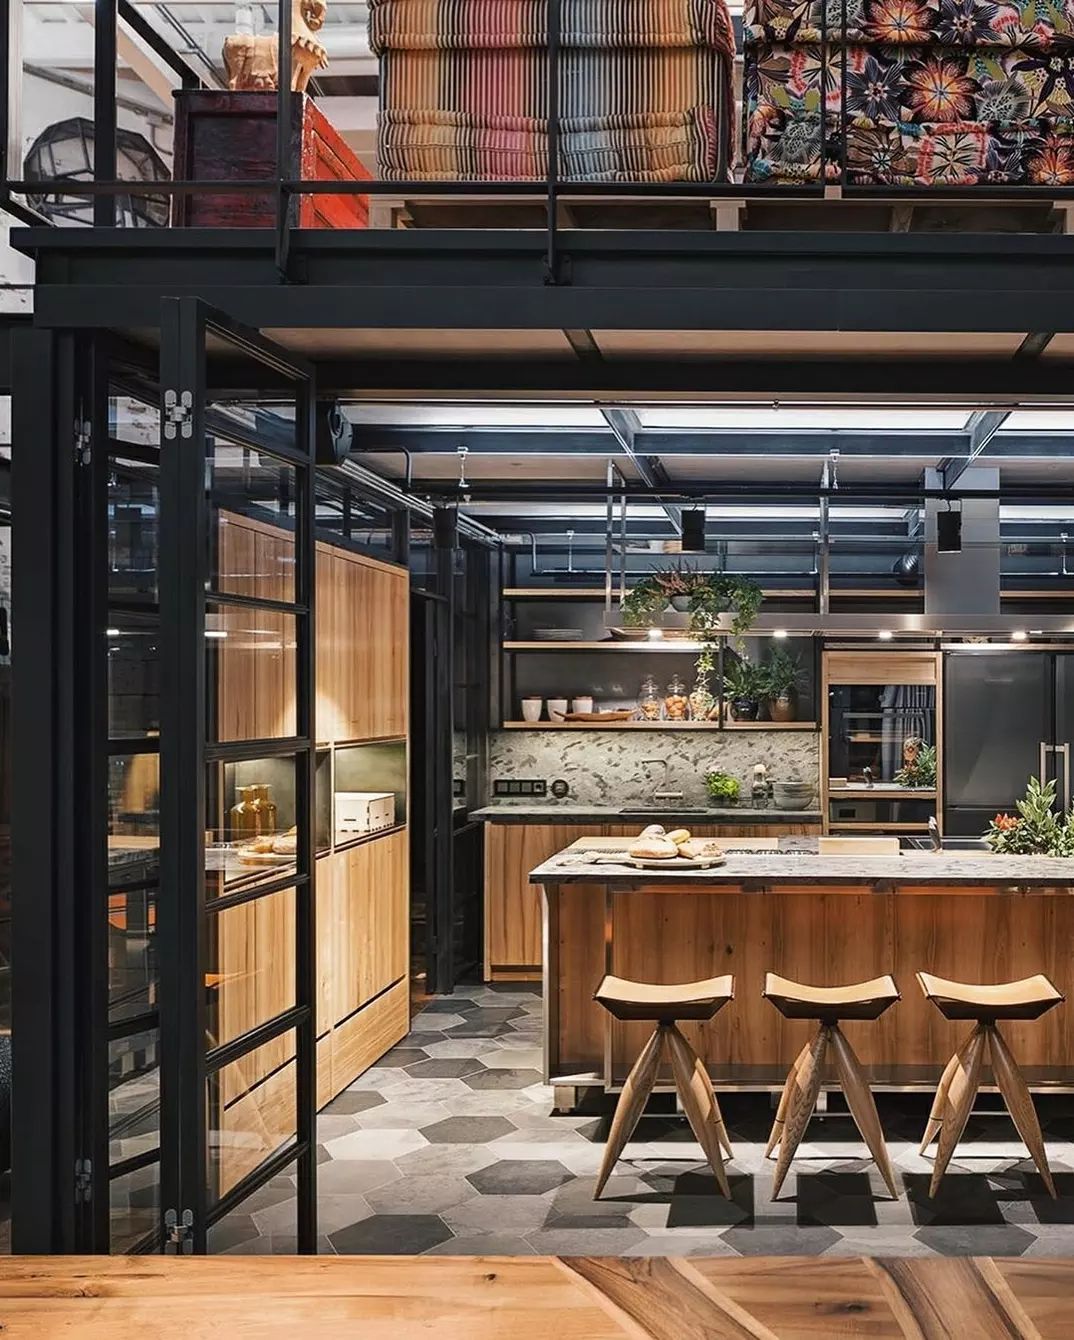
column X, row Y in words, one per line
column 796, row 862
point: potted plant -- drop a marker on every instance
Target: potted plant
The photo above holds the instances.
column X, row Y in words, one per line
column 744, row 686
column 705, row 596
column 722, row 787
column 784, row 676
column 1036, row 830
column 919, row 764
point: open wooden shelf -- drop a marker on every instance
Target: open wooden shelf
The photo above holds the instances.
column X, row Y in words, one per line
column 881, row 792
column 660, row 725
column 664, row 644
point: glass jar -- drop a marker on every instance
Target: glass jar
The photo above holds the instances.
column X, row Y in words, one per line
column 676, row 703
column 265, row 807
column 650, row 704
column 243, row 815
column 702, row 702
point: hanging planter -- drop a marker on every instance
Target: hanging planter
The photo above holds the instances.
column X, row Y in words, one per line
column 704, row 596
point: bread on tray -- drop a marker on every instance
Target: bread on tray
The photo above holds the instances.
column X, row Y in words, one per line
column 652, row 849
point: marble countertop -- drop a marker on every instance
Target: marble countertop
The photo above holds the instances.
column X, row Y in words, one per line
column 791, row 865
column 641, row 813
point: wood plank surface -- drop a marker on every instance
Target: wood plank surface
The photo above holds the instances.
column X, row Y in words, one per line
column 500, row 1298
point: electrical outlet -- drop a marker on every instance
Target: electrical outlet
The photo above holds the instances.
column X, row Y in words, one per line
column 519, row 786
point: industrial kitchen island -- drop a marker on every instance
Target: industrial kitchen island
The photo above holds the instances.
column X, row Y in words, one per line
column 825, row 920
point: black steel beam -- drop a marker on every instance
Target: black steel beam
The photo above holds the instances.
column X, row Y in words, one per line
column 494, row 279
column 663, row 442
column 983, row 426
column 626, row 426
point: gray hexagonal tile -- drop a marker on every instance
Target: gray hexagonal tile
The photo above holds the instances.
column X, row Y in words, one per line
column 519, row 1177
column 505, row 1214
column 399, row 1057
column 401, row 1115
column 421, row 1195
column 366, row 1145
column 352, row 1101
column 502, row 1079
column 445, row 1067
column 466, row 1130
column 354, row 1177
column 391, row 1235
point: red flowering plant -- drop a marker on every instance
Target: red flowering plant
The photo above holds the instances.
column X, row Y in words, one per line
column 1037, row 830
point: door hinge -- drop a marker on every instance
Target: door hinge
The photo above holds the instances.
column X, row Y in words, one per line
column 178, row 1232
column 83, row 1181
column 178, row 409
column 83, row 437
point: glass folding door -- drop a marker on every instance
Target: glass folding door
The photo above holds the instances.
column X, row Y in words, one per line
column 237, row 767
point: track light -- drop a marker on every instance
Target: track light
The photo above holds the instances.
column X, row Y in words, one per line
column 949, row 531
column 693, row 530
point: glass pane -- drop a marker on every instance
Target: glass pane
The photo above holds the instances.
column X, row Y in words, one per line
column 135, row 1208
column 132, row 956
column 370, row 789
column 264, row 1224
column 251, row 524
column 877, row 732
column 250, row 965
column 133, row 420
column 252, row 1112
column 132, row 530
column 133, row 1095
column 251, row 663
column 133, row 819
column 133, row 676
column 250, row 823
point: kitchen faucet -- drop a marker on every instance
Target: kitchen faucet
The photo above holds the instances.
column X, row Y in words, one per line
column 664, row 791
column 867, row 773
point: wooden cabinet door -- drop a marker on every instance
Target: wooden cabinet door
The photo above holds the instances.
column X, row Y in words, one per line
column 372, row 922
column 512, row 904
column 363, row 633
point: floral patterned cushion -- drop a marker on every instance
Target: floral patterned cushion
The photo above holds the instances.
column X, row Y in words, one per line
column 1038, row 25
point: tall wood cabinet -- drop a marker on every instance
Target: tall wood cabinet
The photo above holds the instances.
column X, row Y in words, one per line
column 362, row 885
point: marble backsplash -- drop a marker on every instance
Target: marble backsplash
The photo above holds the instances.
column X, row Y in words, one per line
column 607, row 767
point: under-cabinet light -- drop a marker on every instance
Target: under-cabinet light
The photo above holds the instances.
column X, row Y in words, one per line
column 779, row 632
column 1019, row 635
column 885, row 635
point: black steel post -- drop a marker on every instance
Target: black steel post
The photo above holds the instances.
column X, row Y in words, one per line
column 552, row 259
column 285, row 166
column 305, row 812
column 181, row 579
column 44, row 1125
column 104, row 108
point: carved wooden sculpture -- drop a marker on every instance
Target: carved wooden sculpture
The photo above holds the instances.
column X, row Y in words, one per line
column 253, row 62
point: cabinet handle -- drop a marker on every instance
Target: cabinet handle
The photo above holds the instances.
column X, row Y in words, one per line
column 1064, row 749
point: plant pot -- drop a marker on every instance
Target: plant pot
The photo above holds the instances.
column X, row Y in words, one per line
column 783, row 708
column 745, row 709
column 680, row 603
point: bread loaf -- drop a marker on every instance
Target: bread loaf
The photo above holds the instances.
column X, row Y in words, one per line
column 653, row 848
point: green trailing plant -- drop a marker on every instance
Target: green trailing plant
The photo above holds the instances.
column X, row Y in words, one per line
column 921, row 770
column 722, row 786
column 1036, row 830
column 783, row 674
column 710, row 595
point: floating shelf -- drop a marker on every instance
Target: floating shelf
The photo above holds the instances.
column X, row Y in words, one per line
column 881, row 792
column 664, row 644
column 660, row 725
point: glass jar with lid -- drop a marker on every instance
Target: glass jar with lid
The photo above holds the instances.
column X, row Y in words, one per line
column 650, row 701
column 676, row 703
column 702, row 702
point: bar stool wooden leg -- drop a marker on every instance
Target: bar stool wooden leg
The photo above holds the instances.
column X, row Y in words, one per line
column 1019, row 1102
column 862, row 1104
column 935, row 1120
column 784, row 1098
column 957, row 1103
column 699, row 1102
column 800, row 1105
column 721, row 1125
column 631, row 1104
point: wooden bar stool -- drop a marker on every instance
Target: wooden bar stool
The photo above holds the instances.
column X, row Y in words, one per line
column 828, row 1005
column 665, row 1006
column 1027, row 999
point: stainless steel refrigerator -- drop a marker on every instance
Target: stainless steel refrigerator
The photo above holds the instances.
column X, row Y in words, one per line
column 1007, row 716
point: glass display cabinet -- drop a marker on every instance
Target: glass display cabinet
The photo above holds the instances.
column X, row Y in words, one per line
column 881, row 733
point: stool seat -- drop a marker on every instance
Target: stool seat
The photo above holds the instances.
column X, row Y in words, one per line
column 861, row 1000
column 626, row 1000
column 1028, row 998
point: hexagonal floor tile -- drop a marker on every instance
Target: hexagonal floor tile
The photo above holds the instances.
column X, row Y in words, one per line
column 779, row 1240
column 421, row 1195
column 391, row 1235
column 352, row 1101
column 353, row 1177
column 399, row 1057
column 502, row 1079
column 466, row 1130
column 445, row 1067
column 372, row 1145
column 519, row 1177
column 975, row 1239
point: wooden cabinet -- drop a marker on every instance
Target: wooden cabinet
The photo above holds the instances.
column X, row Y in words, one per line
column 232, row 136
column 513, row 904
column 363, row 622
